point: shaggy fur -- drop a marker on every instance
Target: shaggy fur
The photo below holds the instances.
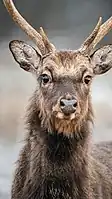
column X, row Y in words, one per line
column 58, row 160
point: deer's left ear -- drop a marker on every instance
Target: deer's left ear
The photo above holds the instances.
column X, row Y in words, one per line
column 102, row 60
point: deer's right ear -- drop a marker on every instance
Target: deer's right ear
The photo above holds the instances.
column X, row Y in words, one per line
column 25, row 55
column 102, row 59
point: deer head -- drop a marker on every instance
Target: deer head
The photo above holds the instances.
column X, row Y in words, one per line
column 63, row 77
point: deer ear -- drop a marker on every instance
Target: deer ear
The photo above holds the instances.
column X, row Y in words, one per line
column 25, row 55
column 102, row 60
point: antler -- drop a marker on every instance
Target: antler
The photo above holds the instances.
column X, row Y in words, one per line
column 85, row 46
column 104, row 29
column 40, row 40
column 98, row 33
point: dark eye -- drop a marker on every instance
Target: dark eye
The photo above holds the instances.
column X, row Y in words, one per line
column 87, row 79
column 45, row 78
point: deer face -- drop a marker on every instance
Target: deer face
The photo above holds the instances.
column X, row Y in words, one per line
column 64, row 79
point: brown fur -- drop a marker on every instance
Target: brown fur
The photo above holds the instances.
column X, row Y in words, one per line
column 63, row 69
column 57, row 161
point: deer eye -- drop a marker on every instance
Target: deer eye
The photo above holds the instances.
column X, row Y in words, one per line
column 87, row 79
column 45, row 78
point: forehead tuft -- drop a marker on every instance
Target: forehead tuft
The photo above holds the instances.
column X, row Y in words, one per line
column 66, row 62
column 69, row 58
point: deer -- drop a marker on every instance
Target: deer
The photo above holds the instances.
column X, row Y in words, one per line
column 58, row 160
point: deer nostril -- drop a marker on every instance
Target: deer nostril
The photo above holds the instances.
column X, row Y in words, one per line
column 62, row 104
column 75, row 103
column 68, row 106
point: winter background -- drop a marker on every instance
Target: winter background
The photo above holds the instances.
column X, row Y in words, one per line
column 67, row 23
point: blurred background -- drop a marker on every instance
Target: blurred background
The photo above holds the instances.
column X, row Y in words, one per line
column 67, row 23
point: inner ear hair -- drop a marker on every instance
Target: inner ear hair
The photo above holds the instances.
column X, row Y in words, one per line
column 25, row 55
column 102, row 59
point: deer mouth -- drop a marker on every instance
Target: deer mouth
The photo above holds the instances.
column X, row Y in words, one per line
column 62, row 116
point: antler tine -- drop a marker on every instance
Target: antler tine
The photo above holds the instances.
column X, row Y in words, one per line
column 104, row 29
column 48, row 45
column 85, row 46
column 28, row 29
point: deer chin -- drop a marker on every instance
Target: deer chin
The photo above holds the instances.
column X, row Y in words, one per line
column 67, row 126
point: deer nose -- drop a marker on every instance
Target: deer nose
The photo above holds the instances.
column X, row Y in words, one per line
column 68, row 106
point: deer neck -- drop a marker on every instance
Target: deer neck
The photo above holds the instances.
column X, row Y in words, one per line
column 61, row 160
column 62, row 149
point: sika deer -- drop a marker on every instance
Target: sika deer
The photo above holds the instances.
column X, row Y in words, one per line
column 57, row 161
